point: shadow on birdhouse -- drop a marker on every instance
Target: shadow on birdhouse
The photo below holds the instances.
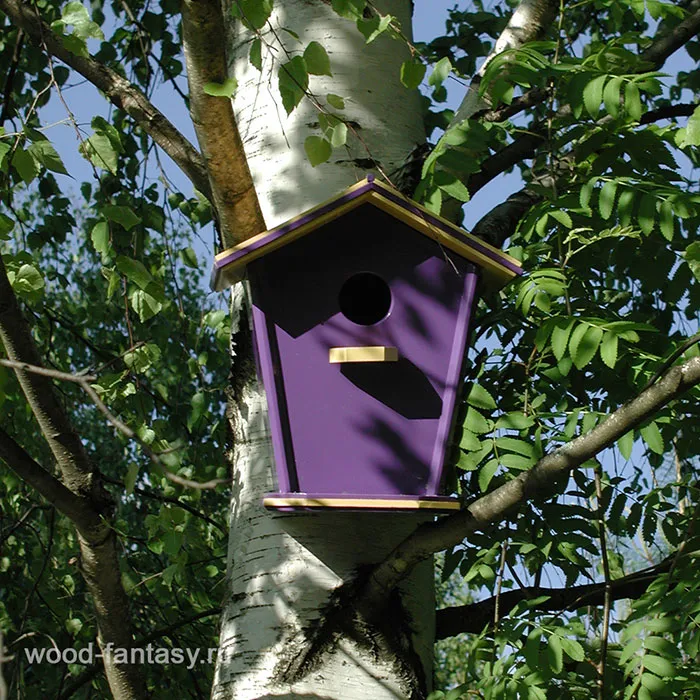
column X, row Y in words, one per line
column 361, row 311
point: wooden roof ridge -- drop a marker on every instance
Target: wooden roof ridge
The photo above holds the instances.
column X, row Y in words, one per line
column 229, row 265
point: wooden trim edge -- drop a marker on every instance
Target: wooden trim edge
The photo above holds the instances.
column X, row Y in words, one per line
column 359, row 503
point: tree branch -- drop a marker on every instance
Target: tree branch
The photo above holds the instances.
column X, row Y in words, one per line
column 99, row 560
column 475, row 617
column 233, row 192
column 119, row 91
column 500, row 223
column 526, row 145
column 539, row 482
column 529, row 21
column 27, row 469
column 670, row 42
column 71, row 458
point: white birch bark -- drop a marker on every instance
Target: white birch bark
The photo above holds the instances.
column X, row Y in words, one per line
column 384, row 115
column 527, row 23
column 283, row 568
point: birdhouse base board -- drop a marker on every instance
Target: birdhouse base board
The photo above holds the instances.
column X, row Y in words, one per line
column 290, row 502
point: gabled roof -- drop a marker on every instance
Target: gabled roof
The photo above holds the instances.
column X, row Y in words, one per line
column 229, row 266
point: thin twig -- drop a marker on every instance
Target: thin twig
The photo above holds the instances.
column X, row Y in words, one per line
column 608, row 583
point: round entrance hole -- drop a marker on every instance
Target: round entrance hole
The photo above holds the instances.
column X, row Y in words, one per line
column 365, row 299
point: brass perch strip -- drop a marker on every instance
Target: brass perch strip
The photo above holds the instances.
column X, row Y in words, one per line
column 371, row 353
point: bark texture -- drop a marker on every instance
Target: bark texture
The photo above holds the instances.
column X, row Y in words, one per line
column 233, row 193
column 285, row 569
column 383, row 118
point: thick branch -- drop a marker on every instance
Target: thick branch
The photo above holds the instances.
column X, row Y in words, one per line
column 68, row 450
column 670, row 42
column 539, row 482
column 530, row 21
column 119, row 91
column 30, row 471
column 233, row 192
column 475, row 617
column 99, row 561
column 500, row 223
column 526, row 145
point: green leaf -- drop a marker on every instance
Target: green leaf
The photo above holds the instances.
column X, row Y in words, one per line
column 476, row 422
column 606, row 201
column 253, row 13
column 562, row 217
column 521, row 447
column 76, row 15
column 469, row 441
column 256, row 54
column 652, row 436
column 666, row 220
column 6, row 226
column 27, row 168
column 100, row 237
column 554, row 653
column 140, row 359
column 611, row 96
column 44, row 153
column 691, row 132
column 293, row 81
column 225, row 89
column 560, row 338
column 100, row 151
column 625, row 444
column 335, row 101
column 339, row 135
column 189, row 258
column 121, row 215
column 412, row 74
column 633, row 102
column 456, row 189
column 608, row 349
column 486, row 473
column 134, row 271
column 480, row 398
column 593, row 95
column 350, row 9
column 199, row 405
column 515, row 421
column 647, row 213
column 114, row 280
column 318, row 150
column 146, row 305
column 572, row 649
column 692, row 257
column 27, row 282
column 130, row 478
column 373, row 27
column 587, row 192
column 440, row 72
column 317, row 61
column 584, row 343
column 658, row 665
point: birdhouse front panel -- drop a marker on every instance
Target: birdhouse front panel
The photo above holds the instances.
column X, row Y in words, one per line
column 350, row 422
column 361, row 311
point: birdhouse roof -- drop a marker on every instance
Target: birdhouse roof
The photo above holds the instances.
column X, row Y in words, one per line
column 499, row 268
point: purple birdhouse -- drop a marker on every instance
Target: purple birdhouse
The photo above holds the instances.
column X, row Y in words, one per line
column 361, row 312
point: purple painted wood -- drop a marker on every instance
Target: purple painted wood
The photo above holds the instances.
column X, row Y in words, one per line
column 366, row 428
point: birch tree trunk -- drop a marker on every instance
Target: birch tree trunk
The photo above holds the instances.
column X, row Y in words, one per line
column 283, row 569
